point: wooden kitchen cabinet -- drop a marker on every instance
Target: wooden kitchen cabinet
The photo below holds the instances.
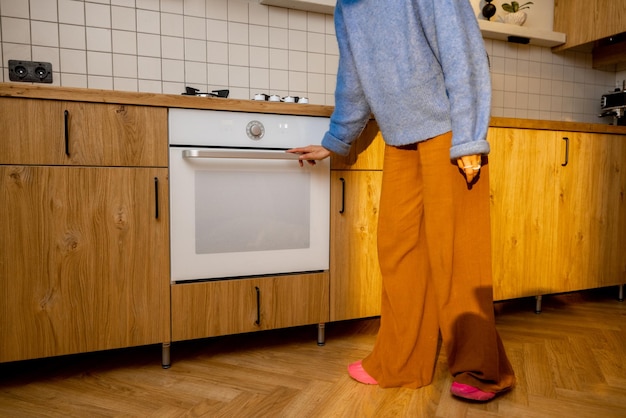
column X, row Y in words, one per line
column 84, row 251
column 222, row 307
column 557, row 211
column 555, row 226
column 585, row 21
column 355, row 279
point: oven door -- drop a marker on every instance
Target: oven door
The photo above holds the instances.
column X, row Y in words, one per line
column 238, row 213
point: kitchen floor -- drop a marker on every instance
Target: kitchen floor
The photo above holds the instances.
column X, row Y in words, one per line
column 569, row 362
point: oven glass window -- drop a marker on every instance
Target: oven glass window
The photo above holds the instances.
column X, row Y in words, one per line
column 239, row 211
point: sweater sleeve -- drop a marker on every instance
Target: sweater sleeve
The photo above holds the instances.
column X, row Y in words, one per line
column 351, row 111
column 456, row 40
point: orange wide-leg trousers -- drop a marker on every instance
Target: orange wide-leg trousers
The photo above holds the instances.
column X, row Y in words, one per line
column 435, row 257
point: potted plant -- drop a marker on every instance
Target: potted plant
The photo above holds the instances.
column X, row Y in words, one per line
column 515, row 14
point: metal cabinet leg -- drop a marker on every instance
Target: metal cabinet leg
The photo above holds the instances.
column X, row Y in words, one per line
column 620, row 293
column 321, row 337
column 538, row 304
column 165, row 356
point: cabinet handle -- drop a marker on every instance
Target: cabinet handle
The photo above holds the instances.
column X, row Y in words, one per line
column 66, row 117
column 566, row 151
column 343, row 195
column 156, row 197
column 258, row 305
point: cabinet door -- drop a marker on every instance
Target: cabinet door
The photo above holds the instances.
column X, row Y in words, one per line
column 84, row 259
column 523, row 181
column 580, row 209
column 206, row 309
column 557, row 211
column 356, row 283
column 48, row 132
column 586, row 21
column 614, row 255
column 573, row 18
column 591, row 235
column 615, row 242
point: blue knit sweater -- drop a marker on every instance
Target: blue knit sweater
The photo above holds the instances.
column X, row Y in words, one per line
column 419, row 66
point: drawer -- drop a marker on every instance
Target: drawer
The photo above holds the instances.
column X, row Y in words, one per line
column 50, row 132
column 206, row 309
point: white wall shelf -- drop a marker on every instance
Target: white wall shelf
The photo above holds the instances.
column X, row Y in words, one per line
column 319, row 6
column 502, row 32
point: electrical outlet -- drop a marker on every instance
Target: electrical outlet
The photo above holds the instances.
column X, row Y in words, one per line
column 30, row 71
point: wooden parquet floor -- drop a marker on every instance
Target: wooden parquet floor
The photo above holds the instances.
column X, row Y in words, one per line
column 570, row 361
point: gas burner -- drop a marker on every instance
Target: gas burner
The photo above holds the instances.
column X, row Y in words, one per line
column 190, row 91
column 276, row 98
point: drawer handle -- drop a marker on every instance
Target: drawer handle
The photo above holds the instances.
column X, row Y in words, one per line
column 156, row 197
column 343, row 195
column 566, row 151
column 258, row 305
column 66, row 117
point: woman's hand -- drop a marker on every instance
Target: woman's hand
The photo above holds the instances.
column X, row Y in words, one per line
column 470, row 165
column 310, row 153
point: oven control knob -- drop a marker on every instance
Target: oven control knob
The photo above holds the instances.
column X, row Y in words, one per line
column 255, row 130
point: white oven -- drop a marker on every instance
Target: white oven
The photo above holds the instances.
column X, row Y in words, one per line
column 240, row 205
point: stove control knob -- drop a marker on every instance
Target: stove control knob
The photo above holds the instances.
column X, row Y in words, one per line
column 255, row 130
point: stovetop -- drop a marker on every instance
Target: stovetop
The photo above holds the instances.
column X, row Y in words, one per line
column 191, row 91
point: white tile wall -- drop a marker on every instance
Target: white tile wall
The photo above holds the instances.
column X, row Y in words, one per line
column 163, row 45
column 45, row 10
column 14, row 8
column 70, row 11
column 532, row 82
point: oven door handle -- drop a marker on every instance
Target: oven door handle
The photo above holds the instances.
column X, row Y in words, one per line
column 235, row 153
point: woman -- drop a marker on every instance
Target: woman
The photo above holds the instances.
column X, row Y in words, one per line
column 420, row 67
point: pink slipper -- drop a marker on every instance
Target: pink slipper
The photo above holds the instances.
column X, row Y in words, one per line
column 358, row 373
column 470, row 392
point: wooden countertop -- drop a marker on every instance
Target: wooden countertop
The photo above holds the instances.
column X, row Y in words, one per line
column 160, row 100
column 38, row 91
column 551, row 125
